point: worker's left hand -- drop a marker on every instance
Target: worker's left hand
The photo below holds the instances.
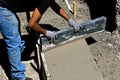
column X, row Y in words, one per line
column 51, row 35
column 73, row 24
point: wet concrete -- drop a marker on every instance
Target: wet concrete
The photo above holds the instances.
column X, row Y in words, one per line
column 73, row 61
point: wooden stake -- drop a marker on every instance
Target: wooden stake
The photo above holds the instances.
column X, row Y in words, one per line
column 74, row 9
column 31, row 13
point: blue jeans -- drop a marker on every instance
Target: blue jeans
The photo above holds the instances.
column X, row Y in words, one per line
column 9, row 29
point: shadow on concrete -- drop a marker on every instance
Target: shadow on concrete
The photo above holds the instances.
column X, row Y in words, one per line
column 90, row 40
column 30, row 47
column 105, row 8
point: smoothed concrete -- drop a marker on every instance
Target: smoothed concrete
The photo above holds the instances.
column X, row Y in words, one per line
column 72, row 61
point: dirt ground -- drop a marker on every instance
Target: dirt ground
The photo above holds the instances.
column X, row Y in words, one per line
column 106, row 49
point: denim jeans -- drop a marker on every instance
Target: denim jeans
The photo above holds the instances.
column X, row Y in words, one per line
column 14, row 44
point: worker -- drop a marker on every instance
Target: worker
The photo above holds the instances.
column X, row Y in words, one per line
column 9, row 27
column 98, row 8
column 39, row 11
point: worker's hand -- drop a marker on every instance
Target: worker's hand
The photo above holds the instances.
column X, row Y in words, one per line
column 51, row 35
column 73, row 24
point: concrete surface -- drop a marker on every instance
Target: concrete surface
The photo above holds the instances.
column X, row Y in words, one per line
column 72, row 61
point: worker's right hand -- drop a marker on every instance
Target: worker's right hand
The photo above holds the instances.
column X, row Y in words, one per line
column 51, row 35
column 73, row 24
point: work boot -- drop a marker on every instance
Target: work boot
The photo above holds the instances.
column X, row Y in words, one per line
column 27, row 78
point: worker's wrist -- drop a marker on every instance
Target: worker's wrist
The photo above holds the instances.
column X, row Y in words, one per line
column 71, row 22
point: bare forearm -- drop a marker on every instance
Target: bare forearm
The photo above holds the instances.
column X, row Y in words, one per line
column 59, row 10
column 64, row 14
column 36, row 27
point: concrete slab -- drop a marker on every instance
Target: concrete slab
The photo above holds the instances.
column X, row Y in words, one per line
column 72, row 61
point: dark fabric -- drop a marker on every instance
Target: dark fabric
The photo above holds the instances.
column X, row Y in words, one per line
column 105, row 8
column 43, row 5
column 12, row 4
column 55, row 7
column 22, row 5
column 1, row 4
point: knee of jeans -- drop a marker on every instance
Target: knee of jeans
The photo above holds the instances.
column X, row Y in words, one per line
column 15, row 23
column 13, row 29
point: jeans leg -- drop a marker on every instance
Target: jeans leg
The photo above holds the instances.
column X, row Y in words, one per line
column 9, row 30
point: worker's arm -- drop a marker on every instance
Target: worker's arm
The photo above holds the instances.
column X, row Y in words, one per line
column 34, row 22
column 59, row 10
column 34, row 25
column 62, row 13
